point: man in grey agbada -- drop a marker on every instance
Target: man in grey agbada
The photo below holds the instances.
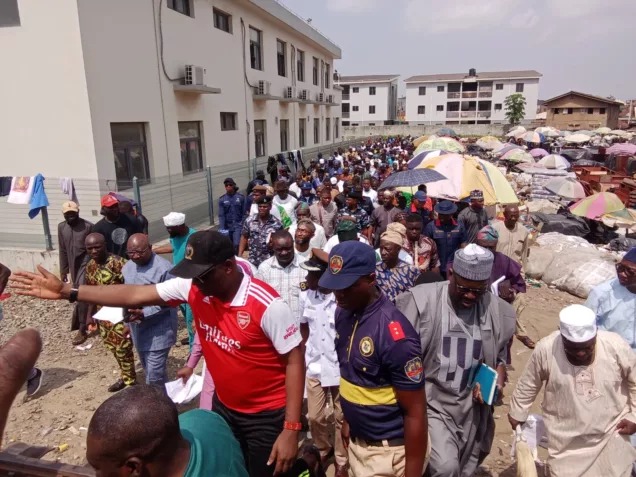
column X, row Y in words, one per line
column 461, row 324
column 153, row 328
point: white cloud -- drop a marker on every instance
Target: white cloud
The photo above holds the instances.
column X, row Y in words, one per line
column 352, row 6
column 526, row 19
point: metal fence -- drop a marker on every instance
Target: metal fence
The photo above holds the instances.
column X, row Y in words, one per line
column 194, row 194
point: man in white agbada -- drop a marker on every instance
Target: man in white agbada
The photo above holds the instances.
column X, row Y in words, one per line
column 589, row 398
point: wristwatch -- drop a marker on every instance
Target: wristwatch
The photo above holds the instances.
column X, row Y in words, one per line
column 72, row 296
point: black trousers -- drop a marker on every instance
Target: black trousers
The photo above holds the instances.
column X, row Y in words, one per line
column 256, row 434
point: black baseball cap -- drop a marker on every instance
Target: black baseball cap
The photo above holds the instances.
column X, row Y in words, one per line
column 203, row 251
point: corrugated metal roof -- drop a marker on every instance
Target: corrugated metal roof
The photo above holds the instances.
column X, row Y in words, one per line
column 584, row 95
column 483, row 75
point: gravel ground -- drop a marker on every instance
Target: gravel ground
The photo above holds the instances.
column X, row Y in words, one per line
column 75, row 381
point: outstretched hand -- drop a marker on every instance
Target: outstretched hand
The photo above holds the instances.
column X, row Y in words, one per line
column 43, row 284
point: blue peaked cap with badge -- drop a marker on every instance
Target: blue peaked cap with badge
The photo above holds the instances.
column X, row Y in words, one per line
column 348, row 261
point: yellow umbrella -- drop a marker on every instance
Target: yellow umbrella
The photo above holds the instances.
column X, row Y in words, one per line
column 504, row 192
column 443, row 143
column 419, row 140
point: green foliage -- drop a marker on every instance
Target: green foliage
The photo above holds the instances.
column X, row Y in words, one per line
column 515, row 108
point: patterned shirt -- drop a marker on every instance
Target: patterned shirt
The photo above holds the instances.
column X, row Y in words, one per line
column 286, row 281
column 257, row 234
column 362, row 218
column 393, row 281
column 107, row 273
column 423, row 252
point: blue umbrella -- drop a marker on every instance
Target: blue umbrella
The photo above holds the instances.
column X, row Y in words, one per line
column 411, row 178
column 423, row 155
column 447, row 132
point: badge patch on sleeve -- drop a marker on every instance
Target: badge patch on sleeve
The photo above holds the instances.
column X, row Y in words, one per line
column 414, row 370
column 397, row 333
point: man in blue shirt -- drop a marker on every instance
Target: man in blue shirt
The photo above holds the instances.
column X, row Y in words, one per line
column 232, row 211
column 382, row 378
column 447, row 233
column 614, row 301
column 153, row 328
column 306, row 195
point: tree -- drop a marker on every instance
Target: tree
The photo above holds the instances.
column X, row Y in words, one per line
column 515, row 108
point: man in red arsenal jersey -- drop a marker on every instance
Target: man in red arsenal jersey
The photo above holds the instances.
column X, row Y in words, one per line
column 247, row 332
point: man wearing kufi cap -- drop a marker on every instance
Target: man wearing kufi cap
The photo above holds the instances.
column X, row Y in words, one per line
column 614, row 301
column 461, row 324
column 71, row 236
column 589, row 380
column 394, row 276
column 474, row 217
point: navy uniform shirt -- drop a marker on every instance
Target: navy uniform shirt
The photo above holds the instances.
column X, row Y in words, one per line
column 378, row 351
column 448, row 239
column 362, row 218
column 231, row 211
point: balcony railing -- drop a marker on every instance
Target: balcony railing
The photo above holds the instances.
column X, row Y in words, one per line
column 483, row 114
column 453, row 95
column 468, row 114
column 452, row 114
column 485, row 94
column 346, row 115
column 345, row 96
column 469, row 94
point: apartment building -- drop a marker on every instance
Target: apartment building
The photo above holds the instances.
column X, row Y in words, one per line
column 101, row 91
column 369, row 100
column 473, row 98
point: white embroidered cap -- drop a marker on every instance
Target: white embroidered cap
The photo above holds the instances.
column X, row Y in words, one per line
column 173, row 219
column 578, row 323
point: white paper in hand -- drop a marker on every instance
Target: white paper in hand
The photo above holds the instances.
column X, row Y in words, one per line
column 109, row 313
column 183, row 393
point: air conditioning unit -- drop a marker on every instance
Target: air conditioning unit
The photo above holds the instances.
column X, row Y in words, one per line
column 289, row 92
column 303, row 94
column 263, row 88
column 330, row 98
column 321, row 97
column 194, row 75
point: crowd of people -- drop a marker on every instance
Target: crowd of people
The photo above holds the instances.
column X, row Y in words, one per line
column 376, row 306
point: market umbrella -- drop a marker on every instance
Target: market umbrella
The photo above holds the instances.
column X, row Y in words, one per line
column 577, row 138
column 504, row 193
column 419, row 140
column 515, row 131
column 446, row 132
column 517, row 155
column 603, row 130
column 533, row 137
column 506, row 147
column 423, row 155
column 411, row 178
column 585, row 131
column 566, row 187
column 443, row 143
column 594, row 206
column 538, row 152
column 554, row 161
column 488, row 143
column 624, row 219
column 619, row 132
column 622, row 149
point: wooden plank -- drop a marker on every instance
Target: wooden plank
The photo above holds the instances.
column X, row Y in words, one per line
column 18, row 466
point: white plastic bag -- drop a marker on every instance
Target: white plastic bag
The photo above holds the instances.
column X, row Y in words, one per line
column 184, row 393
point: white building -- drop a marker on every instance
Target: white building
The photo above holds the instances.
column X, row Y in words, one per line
column 473, row 98
column 369, row 100
column 100, row 91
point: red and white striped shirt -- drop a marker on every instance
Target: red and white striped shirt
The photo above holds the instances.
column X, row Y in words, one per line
column 242, row 341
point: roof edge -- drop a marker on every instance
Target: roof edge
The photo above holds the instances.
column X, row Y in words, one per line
column 585, row 95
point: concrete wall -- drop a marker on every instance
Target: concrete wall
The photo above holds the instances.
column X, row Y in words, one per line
column 351, row 132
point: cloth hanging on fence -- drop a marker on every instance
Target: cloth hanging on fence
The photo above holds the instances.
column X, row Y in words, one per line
column 68, row 188
column 38, row 198
column 296, row 158
column 5, row 185
column 281, row 159
column 21, row 190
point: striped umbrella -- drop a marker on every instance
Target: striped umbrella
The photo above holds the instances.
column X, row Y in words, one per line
column 538, row 152
column 594, row 206
column 443, row 143
column 517, row 155
column 507, row 147
column 423, row 155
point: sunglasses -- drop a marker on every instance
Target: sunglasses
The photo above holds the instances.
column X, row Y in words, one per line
column 628, row 271
column 201, row 278
column 474, row 291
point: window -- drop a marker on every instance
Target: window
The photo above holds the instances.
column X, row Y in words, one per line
column 421, row 110
column 259, row 137
column 284, row 131
column 300, row 65
column 9, row 13
column 440, row 107
column 315, row 71
column 131, row 153
column 498, row 106
column 256, row 49
column 499, row 86
column 371, row 109
column 327, row 129
column 355, row 108
column 601, row 111
column 590, row 110
column 570, row 110
column 371, row 124
column 519, row 88
column 302, row 125
column 316, row 130
column 336, row 132
column 421, row 91
column 327, row 75
column 372, row 90
column 557, row 110
column 190, row 140
column 181, row 6
column 281, row 57
column 355, row 89
column 222, row 20
column 440, row 89
column 228, row 122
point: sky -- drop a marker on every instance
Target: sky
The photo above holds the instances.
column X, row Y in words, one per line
column 581, row 45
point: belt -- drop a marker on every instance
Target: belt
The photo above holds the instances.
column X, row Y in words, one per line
column 381, row 443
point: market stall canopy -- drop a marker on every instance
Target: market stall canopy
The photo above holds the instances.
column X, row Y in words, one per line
column 516, row 131
column 506, row 147
column 411, row 178
column 624, row 219
column 533, row 137
column 566, row 187
column 622, row 149
column 489, row 143
column 577, row 138
column 585, row 131
column 538, row 152
column 597, row 205
column 423, row 155
column 443, row 143
column 446, row 132
column 419, row 140
column 517, row 155
column 621, row 133
column 554, row 161
column 603, row 130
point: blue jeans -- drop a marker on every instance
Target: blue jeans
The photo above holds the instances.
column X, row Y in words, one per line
column 155, row 364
